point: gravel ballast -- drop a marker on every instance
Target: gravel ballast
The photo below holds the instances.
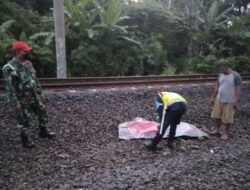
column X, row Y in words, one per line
column 87, row 153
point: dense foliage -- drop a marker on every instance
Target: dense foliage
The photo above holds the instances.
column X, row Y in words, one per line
column 125, row 37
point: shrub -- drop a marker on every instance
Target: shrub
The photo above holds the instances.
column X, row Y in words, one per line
column 203, row 64
column 240, row 63
column 5, row 53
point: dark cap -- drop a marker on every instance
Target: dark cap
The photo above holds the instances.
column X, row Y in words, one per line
column 223, row 62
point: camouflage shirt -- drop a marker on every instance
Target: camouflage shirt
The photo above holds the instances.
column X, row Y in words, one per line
column 21, row 81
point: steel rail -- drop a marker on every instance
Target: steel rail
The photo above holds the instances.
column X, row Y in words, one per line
column 91, row 82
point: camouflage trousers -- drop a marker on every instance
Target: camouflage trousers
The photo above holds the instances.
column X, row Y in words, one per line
column 22, row 117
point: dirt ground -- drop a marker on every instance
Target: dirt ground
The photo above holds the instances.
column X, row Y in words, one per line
column 87, row 153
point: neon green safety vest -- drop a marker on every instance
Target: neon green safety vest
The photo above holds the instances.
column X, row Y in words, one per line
column 168, row 98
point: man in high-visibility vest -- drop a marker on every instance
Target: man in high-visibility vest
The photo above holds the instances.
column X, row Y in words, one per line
column 170, row 107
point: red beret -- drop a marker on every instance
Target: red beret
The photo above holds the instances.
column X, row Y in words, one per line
column 21, row 46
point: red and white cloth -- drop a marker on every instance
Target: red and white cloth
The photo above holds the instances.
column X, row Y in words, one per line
column 140, row 128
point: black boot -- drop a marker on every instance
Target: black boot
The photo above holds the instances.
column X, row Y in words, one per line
column 25, row 141
column 44, row 132
column 150, row 146
column 170, row 146
column 170, row 143
column 153, row 144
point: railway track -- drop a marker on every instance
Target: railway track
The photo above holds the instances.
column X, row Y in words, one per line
column 93, row 82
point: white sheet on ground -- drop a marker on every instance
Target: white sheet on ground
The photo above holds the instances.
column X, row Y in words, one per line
column 140, row 128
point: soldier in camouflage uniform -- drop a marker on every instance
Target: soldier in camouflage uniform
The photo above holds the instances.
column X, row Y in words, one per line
column 24, row 93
